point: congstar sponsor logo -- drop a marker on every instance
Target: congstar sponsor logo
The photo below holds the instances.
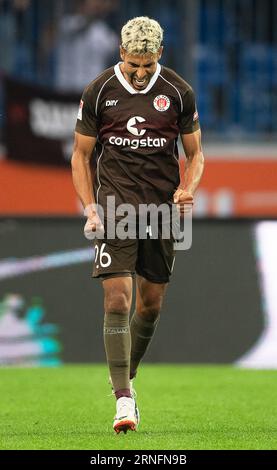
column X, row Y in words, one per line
column 136, row 143
column 135, row 127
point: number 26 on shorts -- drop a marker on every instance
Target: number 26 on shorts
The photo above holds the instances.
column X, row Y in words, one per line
column 104, row 257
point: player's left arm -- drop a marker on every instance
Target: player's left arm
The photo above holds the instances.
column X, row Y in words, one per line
column 193, row 170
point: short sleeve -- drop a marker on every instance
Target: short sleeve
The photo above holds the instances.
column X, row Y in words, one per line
column 189, row 120
column 87, row 122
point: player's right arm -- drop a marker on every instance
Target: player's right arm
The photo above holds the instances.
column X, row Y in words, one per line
column 83, row 180
column 80, row 164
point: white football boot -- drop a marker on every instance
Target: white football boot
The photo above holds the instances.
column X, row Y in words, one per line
column 125, row 418
column 119, row 422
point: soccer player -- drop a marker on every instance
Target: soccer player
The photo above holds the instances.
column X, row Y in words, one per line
column 131, row 117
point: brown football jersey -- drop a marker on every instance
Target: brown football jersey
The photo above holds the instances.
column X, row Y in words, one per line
column 137, row 132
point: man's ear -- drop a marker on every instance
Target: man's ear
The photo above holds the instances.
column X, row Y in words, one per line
column 160, row 52
column 122, row 53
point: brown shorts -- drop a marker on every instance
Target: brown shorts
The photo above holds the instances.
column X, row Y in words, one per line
column 152, row 259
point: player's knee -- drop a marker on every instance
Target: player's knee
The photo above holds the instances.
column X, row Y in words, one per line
column 117, row 295
column 150, row 309
column 117, row 303
column 150, row 314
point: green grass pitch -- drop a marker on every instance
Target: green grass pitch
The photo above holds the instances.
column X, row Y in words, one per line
column 182, row 407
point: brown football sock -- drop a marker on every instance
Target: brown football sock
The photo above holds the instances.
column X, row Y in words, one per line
column 142, row 332
column 117, row 340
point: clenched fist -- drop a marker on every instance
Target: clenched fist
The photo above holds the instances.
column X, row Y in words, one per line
column 93, row 226
column 184, row 200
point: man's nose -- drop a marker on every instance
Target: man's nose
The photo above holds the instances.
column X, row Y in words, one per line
column 141, row 73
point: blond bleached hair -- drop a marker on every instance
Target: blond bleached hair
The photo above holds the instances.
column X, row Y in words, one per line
column 141, row 35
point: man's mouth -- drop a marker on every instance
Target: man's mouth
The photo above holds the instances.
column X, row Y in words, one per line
column 140, row 83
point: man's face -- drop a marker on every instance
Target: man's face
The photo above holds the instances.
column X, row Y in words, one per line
column 139, row 69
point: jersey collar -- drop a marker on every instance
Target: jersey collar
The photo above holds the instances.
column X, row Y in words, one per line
column 127, row 85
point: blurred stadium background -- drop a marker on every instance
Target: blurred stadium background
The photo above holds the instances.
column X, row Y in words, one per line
column 223, row 292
